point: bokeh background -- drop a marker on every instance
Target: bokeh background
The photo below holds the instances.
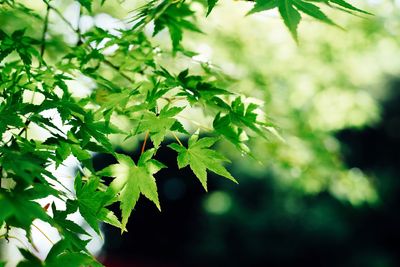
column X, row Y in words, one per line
column 327, row 194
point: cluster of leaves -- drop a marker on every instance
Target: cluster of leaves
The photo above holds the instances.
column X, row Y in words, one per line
column 130, row 83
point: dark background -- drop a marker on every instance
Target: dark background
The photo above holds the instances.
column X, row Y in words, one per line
column 258, row 230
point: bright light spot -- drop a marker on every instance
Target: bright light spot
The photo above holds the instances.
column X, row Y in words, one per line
column 109, row 23
column 336, row 109
column 218, row 203
column 355, row 187
column 205, row 53
column 85, row 23
column 82, row 86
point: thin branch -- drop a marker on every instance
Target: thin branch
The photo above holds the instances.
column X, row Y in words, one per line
column 116, row 68
column 80, row 41
column 62, row 17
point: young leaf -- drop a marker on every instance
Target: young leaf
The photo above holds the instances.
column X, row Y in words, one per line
column 131, row 180
column 200, row 157
column 158, row 126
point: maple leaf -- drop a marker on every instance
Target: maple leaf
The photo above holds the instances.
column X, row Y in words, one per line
column 200, row 157
column 91, row 203
column 131, row 180
column 159, row 125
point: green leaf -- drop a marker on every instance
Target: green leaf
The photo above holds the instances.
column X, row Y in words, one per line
column 131, row 180
column 7, row 118
column 159, row 125
column 211, row 4
column 30, row 260
column 243, row 116
column 86, row 4
column 236, row 120
column 21, row 211
column 177, row 126
column 5, row 213
column 60, row 255
column 91, row 202
column 92, row 128
column 200, row 157
column 26, row 162
column 64, row 150
column 79, row 153
column 174, row 17
column 313, row 11
column 290, row 16
column 67, row 228
column 73, row 259
column 262, row 5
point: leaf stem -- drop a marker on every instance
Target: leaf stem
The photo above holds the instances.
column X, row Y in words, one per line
column 177, row 139
column 43, row 233
column 144, row 142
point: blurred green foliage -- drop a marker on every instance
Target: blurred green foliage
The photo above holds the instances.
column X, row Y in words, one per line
column 333, row 80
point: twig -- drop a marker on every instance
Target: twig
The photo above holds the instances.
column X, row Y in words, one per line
column 80, row 41
column 62, row 17
column 45, row 27
column 116, row 68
